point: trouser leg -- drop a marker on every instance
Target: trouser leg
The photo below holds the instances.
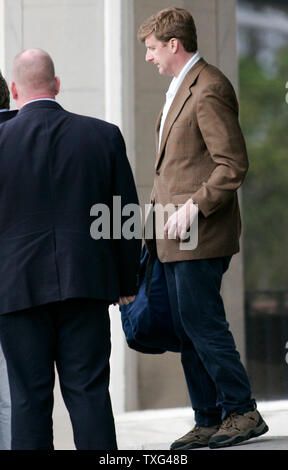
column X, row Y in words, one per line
column 201, row 387
column 202, row 314
column 83, row 351
column 27, row 339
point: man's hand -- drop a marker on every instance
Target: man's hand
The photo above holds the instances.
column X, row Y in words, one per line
column 180, row 222
column 125, row 300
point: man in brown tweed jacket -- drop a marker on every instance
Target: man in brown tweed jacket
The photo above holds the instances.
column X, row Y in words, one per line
column 201, row 161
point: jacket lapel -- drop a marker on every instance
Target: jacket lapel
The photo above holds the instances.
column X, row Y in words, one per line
column 157, row 128
column 180, row 99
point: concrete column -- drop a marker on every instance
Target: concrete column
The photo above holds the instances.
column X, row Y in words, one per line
column 10, row 35
column 72, row 33
column 119, row 102
column 227, row 61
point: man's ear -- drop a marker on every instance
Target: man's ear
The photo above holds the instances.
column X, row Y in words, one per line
column 14, row 91
column 174, row 45
column 57, row 85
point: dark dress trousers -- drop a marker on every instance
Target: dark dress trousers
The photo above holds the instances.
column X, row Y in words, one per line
column 56, row 280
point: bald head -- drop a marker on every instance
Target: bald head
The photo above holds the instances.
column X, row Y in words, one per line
column 33, row 75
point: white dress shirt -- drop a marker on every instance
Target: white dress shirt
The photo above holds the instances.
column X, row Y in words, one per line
column 173, row 88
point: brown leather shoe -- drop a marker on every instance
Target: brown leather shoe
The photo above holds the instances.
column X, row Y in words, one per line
column 198, row 437
column 238, row 428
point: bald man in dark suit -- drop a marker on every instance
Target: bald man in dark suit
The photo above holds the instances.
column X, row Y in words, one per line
column 56, row 281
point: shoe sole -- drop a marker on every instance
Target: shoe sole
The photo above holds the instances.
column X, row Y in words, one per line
column 189, row 446
column 262, row 429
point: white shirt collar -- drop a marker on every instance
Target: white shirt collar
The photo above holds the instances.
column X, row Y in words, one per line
column 39, row 99
column 173, row 88
column 177, row 81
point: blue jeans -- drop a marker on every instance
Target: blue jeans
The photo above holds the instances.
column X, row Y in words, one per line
column 216, row 379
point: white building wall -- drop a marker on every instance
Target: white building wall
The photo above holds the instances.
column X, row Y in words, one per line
column 72, row 32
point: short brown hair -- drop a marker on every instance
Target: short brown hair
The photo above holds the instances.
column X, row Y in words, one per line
column 171, row 23
column 4, row 93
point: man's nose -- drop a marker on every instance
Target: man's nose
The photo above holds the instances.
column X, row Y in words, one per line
column 148, row 57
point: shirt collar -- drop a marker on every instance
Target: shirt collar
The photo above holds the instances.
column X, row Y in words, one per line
column 176, row 82
column 39, row 99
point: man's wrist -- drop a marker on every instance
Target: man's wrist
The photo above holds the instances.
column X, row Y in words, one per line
column 192, row 202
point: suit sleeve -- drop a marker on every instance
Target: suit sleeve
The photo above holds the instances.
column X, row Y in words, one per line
column 217, row 114
column 127, row 239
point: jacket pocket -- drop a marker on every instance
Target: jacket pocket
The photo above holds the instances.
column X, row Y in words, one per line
column 178, row 199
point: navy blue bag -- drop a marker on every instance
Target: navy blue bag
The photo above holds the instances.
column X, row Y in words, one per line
column 147, row 321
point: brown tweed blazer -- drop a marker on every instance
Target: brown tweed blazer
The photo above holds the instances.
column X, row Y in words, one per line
column 202, row 156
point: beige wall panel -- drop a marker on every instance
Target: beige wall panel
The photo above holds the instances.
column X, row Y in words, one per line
column 149, row 97
column 72, row 32
column 165, row 378
column 204, row 14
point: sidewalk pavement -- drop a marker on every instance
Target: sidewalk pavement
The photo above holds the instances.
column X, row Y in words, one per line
column 156, row 429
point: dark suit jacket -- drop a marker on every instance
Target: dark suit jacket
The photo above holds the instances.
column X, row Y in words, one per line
column 6, row 115
column 54, row 166
column 202, row 156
